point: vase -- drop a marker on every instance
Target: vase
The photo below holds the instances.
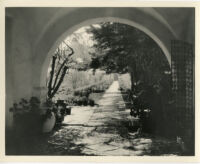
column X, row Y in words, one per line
column 49, row 123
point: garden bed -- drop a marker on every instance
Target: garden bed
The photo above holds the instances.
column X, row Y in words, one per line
column 88, row 95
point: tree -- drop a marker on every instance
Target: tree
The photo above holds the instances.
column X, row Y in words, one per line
column 121, row 48
column 65, row 59
column 59, row 67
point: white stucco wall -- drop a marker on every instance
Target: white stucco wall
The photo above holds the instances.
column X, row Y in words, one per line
column 18, row 64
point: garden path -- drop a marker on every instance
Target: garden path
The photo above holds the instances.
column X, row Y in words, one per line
column 103, row 130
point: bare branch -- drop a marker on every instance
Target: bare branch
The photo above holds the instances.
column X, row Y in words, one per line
column 59, row 82
column 51, row 75
column 62, row 65
column 72, row 51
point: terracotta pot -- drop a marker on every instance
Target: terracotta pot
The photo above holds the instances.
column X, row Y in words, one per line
column 49, row 123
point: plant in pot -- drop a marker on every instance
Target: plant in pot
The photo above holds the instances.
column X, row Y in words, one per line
column 26, row 117
column 49, row 118
column 60, row 111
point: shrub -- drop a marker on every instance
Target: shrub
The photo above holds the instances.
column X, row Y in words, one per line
column 91, row 102
column 84, row 101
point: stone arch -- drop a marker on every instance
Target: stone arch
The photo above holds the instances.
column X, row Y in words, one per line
column 145, row 20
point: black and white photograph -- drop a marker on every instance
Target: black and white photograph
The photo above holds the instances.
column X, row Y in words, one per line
column 99, row 81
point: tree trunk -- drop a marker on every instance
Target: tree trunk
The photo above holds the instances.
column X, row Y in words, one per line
column 53, row 89
column 59, row 83
column 51, row 76
column 58, row 73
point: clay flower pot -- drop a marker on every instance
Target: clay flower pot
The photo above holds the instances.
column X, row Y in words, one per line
column 49, row 123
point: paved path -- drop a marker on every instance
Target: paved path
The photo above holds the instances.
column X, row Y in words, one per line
column 111, row 110
column 103, row 130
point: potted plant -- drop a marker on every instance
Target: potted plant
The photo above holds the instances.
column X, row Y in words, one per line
column 49, row 118
column 29, row 120
column 26, row 117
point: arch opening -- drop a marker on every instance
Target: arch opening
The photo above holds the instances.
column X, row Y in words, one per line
column 66, row 33
column 125, row 25
column 149, row 93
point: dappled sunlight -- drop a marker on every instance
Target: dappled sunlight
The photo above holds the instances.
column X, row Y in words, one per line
column 101, row 78
column 103, row 130
column 77, row 116
column 107, row 83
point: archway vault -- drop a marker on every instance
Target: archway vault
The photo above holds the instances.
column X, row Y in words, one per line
column 60, row 28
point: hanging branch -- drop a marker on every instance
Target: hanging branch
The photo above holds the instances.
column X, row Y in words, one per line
column 71, row 49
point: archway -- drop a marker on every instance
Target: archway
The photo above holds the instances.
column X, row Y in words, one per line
column 112, row 96
column 65, row 22
column 161, row 42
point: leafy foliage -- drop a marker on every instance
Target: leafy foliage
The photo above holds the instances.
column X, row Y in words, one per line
column 121, row 48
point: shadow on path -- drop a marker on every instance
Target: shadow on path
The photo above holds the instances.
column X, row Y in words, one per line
column 100, row 131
